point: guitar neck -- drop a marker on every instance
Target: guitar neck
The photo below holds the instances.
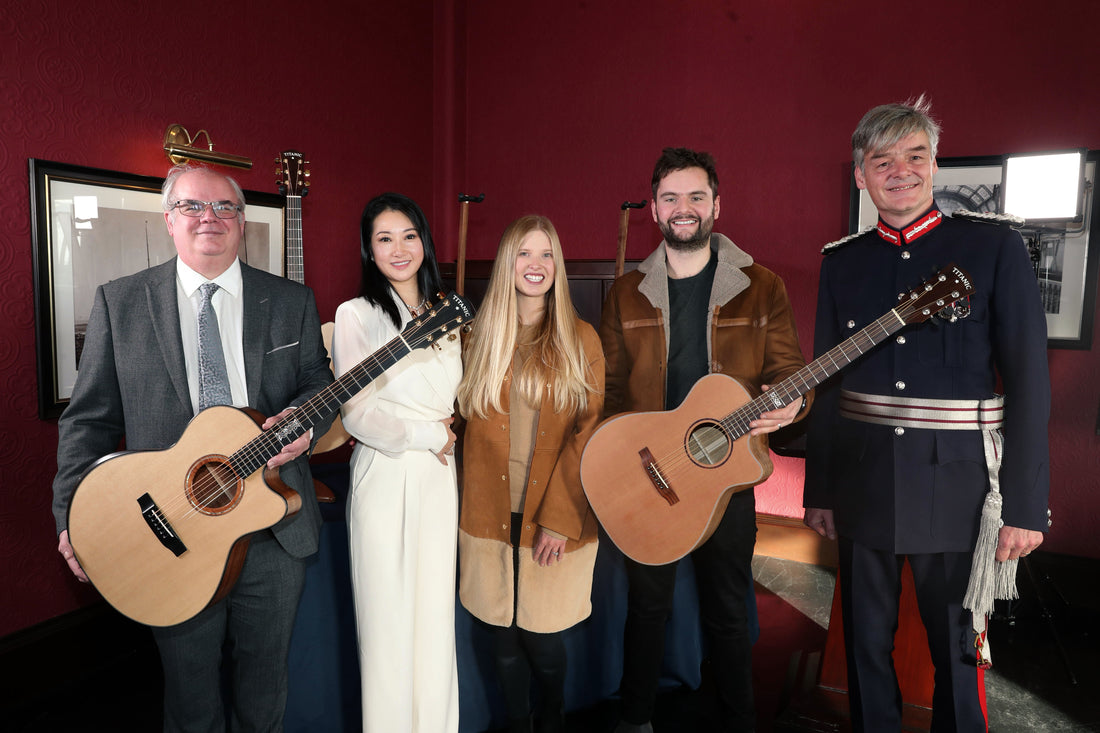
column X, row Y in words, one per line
column 817, row 371
column 296, row 424
column 295, row 264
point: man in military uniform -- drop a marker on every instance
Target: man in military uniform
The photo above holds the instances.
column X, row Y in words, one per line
column 891, row 487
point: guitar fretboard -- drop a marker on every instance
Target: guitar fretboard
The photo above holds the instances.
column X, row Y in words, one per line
column 450, row 312
column 737, row 422
column 295, row 265
column 949, row 285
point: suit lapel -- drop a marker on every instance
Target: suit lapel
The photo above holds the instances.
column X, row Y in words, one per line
column 160, row 293
column 256, row 323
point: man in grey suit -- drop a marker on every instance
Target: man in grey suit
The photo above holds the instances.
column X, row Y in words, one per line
column 139, row 379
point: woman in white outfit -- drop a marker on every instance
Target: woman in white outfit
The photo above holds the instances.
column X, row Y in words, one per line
column 402, row 507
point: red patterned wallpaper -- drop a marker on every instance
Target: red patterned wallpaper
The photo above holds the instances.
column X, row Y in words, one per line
column 557, row 109
column 774, row 90
column 97, row 84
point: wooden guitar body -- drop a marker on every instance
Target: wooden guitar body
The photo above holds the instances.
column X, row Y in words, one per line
column 337, row 435
column 127, row 497
column 660, row 481
column 163, row 534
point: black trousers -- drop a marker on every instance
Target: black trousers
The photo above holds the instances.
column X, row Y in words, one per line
column 518, row 653
column 723, row 571
column 870, row 588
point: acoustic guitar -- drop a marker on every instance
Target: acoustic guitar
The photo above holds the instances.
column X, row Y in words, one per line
column 659, row 482
column 293, row 181
column 163, row 534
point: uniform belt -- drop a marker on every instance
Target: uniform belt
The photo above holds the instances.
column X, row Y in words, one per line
column 914, row 412
column 989, row 579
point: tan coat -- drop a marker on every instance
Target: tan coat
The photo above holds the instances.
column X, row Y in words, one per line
column 549, row 598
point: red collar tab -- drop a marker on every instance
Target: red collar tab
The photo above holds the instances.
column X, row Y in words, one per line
column 917, row 229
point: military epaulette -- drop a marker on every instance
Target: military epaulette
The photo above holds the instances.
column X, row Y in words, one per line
column 834, row 246
column 989, row 217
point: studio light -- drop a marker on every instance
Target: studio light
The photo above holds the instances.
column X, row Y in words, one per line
column 1044, row 187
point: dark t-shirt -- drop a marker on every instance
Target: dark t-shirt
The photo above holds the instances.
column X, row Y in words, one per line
column 689, row 301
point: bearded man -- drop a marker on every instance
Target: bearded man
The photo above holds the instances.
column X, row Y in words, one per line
column 697, row 305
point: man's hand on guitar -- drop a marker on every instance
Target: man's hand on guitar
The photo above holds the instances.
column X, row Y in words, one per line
column 820, row 521
column 772, row 420
column 291, row 451
column 66, row 551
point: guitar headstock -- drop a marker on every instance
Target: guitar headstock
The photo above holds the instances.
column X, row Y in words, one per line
column 950, row 284
column 443, row 317
column 292, row 176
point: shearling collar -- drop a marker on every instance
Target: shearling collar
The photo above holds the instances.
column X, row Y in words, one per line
column 729, row 280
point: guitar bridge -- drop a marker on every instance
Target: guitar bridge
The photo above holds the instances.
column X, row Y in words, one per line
column 158, row 523
column 654, row 472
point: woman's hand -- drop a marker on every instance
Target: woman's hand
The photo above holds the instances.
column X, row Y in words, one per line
column 547, row 550
column 449, row 446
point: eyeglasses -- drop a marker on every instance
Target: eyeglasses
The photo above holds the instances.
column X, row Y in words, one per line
column 221, row 209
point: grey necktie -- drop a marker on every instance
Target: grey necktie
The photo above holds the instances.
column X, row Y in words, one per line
column 213, row 378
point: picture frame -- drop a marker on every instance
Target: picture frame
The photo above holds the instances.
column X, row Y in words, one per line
column 90, row 226
column 1066, row 257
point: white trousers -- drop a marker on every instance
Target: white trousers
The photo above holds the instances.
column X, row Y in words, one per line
column 402, row 527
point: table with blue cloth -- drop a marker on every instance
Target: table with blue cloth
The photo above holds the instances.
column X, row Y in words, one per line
column 324, row 672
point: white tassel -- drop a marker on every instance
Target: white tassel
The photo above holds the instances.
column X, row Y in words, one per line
column 989, row 580
column 1006, row 581
column 983, row 578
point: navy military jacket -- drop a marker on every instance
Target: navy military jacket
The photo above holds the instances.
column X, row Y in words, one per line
column 917, row 490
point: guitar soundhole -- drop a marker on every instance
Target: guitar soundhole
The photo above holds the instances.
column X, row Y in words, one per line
column 707, row 444
column 213, row 487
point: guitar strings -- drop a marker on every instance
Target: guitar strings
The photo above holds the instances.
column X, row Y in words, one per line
column 253, row 455
column 211, row 487
column 736, row 424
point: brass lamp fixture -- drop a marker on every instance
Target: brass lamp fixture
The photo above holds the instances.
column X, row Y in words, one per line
column 180, row 147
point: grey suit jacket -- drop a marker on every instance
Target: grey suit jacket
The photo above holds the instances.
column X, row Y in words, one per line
column 132, row 381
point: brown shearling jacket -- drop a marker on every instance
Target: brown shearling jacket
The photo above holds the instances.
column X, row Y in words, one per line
column 751, row 332
column 549, row 598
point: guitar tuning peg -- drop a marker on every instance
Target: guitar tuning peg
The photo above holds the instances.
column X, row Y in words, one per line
column 307, row 172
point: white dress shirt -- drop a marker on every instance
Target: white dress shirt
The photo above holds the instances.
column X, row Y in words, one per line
column 228, row 304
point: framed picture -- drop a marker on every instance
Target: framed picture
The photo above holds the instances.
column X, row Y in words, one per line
column 1064, row 256
column 90, row 226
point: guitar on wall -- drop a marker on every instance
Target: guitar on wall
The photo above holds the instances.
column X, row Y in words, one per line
column 293, row 181
column 163, row 534
column 659, row 482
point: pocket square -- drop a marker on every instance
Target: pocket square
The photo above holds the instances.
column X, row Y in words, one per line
column 280, row 348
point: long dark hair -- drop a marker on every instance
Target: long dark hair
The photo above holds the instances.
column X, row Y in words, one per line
column 373, row 285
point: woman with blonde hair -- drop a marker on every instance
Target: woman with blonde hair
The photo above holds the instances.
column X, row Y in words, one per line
column 532, row 395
